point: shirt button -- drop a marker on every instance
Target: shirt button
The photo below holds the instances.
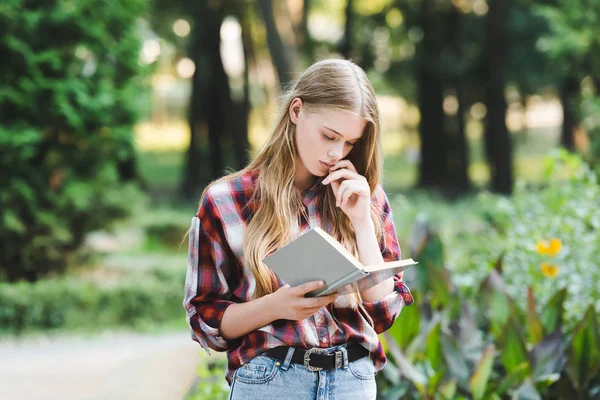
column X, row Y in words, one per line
column 324, row 340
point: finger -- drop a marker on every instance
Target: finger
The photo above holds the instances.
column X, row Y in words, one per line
column 335, row 185
column 325, row 300
column 340, row 192
column 353, row 188
column 344, row 164
column 341, row 174
column 308, row 287
column 316, row 303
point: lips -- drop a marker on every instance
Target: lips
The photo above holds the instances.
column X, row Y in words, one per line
column 327, row 164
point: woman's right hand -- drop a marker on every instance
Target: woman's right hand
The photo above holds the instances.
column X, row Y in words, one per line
column 289, row 302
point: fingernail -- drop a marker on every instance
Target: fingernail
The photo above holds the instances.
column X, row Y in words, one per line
column 321, row 283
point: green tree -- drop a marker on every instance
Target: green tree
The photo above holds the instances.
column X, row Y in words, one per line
column 573, row 44
column 71, row 80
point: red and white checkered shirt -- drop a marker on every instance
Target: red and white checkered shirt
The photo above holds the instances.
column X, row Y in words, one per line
column 217, row 277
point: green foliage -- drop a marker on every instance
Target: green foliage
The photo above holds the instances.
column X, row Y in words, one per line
column 466, row 355
column 566, row 209
column 476, row 230
column 71, row 81
column 149, row 297
column 573, row 45
column 210, row 382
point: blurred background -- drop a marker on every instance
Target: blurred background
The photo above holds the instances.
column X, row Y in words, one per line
column 115, row 115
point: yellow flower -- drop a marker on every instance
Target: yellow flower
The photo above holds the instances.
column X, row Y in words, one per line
column 549, row 270
column 549, row 249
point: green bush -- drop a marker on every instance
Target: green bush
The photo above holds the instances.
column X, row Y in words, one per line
column 476, row 230
column 71, row 80
column 566, row 210
column 487, row 347
column 151, row 297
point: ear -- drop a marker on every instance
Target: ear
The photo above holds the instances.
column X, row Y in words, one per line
column 295, row 108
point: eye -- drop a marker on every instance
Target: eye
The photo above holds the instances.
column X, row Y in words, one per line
column 327, row 137
column 350, row 144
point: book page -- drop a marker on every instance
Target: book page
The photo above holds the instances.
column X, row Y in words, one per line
column 402, row 264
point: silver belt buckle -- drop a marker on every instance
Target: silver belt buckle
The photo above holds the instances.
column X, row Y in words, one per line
column 307, row 358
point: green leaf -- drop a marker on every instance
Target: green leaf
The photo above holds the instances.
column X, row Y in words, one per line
column 441, row 286
column 397, row 391
column 584, row 351
column 433, row 347
column 514, row 352
column 543, row 382
column 407, row 369
column 493, row 297
column 405, row 332
column 553, row 312
column 513, row 379
column 457, row 365
column 527, row 392
column 548, row 356
column 534, row 325
column 447, row 390
column 482, row 373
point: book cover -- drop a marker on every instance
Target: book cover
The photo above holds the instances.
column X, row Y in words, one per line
column 316, row 255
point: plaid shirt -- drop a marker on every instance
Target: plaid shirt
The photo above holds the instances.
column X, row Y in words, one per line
column 217, row 277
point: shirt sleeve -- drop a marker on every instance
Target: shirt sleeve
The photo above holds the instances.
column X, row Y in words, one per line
column 385, row 311
column 209, row 276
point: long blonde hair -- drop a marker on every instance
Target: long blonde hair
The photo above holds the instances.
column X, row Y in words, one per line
column 327, row 84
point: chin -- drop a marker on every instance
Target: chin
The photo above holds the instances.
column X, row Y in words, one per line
column 319, row 170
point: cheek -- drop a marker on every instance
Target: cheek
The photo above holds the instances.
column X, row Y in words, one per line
column 308, row 143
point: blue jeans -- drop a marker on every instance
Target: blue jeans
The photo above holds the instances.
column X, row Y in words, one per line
column 265, row 378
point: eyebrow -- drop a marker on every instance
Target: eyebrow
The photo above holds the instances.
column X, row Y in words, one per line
column 337, row 133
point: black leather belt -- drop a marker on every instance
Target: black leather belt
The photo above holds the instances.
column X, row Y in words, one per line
column 316, row 359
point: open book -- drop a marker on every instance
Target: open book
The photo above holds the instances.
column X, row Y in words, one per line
column 315, row 255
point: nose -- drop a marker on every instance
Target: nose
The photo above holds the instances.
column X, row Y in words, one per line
column 335, row 153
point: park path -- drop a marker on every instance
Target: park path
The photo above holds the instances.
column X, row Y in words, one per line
column 116, row 366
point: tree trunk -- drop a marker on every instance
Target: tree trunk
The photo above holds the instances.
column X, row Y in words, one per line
column 498, row 145
column 569, row 94
column 346, row 45
column 432, row 168
column 307, row 44
column 279, row 54
column 458, row 161
column 241, row 146
column 210, row 102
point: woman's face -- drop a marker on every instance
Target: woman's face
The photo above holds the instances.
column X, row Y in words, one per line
column 323, row 138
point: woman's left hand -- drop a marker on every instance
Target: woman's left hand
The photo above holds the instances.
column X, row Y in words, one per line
column 351, row 190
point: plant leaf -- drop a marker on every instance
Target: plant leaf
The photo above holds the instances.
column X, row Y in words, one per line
column 584, row 351
column 407, row 369
column 534, row 325
column 548, row 356
column 457, row 365
column 513, row 379
column 527, row 392
column 480, row 377
column 553, row 312
column 448, row 390
column 405, row 332
column 514, row 352
column 545, row 381
column 433, row 347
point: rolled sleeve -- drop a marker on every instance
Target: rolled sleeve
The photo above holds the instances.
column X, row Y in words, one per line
column 207, row 291
column 385, row 311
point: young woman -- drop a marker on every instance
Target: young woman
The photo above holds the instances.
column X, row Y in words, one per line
column 321, row 166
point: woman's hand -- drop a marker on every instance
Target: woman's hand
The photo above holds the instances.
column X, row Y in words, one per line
column 351, row 190
column 290, row 303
